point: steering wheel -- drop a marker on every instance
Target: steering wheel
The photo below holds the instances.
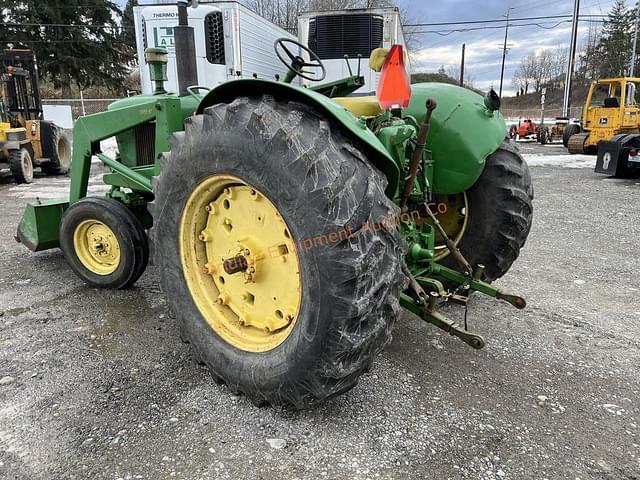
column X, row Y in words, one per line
column 297, row 62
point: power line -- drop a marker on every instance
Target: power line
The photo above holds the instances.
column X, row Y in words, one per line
column 497, row 20
column 444, row 33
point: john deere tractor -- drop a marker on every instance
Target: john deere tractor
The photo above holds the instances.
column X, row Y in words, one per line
column 26, row 139
column 610, row 127
column 289, row 224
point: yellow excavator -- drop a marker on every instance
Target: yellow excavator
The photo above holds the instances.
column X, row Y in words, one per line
column 26, row 139
column 610, row 127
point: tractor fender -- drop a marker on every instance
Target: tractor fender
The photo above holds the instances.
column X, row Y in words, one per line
column 463, row 133
column 352, row 127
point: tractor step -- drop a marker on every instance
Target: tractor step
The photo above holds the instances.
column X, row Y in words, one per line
column 577, row 142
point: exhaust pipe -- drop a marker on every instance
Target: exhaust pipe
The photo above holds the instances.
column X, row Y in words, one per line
column 185, row 45
column 492, row 101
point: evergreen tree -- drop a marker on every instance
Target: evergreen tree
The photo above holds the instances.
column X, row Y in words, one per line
column 128, row 25
column 612, row 54
column 635, row 24
column 75, row 42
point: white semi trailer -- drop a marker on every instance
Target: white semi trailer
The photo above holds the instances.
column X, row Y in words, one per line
column 336, row 33
column 231, row 41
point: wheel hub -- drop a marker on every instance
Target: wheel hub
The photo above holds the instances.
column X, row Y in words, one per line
column 452, row 211
column 97, row 247
column 240, row 263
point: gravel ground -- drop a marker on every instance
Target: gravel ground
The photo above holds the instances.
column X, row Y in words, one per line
column 96, row 384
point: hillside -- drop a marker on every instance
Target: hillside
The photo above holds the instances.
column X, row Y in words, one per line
column 529, row 105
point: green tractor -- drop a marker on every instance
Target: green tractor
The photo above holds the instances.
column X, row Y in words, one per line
column 290, row 224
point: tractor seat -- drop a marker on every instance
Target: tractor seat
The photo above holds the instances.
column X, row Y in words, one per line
column 611, row 102
column 360, row 106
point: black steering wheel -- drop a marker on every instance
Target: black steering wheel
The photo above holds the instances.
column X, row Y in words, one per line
column 297, row 62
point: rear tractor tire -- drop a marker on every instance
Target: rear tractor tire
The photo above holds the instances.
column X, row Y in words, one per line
column 569, row 130
column 543, row 135
column 104, row 242
column 263, row 217
column 500, row 213
column 55, row 147
column 21, row 165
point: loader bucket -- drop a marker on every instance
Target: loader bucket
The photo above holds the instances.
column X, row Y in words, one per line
column 38, row 229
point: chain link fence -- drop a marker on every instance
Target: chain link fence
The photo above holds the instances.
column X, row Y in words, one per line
column 534, row 113
column 88, row 106
column 80, row 107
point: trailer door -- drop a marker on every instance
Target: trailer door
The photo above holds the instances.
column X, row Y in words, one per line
column 155, row 28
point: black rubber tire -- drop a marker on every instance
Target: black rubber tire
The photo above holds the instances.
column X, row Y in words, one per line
column 21, row 165
column 543, row 135
column 55, row 147
column 500, row 214
column 320, row 182
column 570, row 130
column 134, row 246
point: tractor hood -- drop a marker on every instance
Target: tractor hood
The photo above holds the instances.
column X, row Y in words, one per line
column 464, row 132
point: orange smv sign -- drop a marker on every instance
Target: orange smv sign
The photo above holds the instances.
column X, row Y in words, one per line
column 394, row 89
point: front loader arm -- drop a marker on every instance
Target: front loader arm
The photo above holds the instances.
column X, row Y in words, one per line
column 90, row 130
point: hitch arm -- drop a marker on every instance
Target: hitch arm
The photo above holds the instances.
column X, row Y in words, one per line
column 478, row 285
column 425, row 307
column 429, row 314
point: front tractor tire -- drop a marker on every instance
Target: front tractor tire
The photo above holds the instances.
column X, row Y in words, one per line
column 500, row 213
column 104, row 243
column 276, row 253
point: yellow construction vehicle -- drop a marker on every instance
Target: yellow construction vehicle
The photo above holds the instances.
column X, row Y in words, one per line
column 610, row 127
column 26, row 139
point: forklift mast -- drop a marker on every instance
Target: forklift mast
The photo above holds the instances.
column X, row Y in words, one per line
column 20, row 86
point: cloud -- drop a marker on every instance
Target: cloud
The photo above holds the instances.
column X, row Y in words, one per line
column 483, row 55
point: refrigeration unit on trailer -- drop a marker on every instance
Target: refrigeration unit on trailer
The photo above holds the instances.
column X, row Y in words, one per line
column 231, row 41
column 354, row 33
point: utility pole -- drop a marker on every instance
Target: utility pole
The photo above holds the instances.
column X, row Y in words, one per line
column 462, row 67
column 635, row 41
column 572, row 57
column 504, row 49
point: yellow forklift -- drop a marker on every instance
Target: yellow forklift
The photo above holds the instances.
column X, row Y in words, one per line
column 610, row 127
column 26, row 139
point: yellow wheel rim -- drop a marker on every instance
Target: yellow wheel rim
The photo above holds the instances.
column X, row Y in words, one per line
column 97, row 247
column 240, row 263
column 452, row 211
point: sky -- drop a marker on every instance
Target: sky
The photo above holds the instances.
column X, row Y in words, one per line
column 483, row 55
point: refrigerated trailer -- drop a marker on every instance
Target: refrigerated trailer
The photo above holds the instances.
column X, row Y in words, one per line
column 355, row 33
column 231, row 41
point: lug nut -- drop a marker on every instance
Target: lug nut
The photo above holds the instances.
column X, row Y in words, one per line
column 221, row 300
column 209, row 269
column 204, row 236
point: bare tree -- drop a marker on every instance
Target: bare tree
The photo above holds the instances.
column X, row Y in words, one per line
column 454, row 72
column 537, row 70
column 526, row 73
column 285, row 12
column 281, row 12
column 520, row 80
column 559, row 66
